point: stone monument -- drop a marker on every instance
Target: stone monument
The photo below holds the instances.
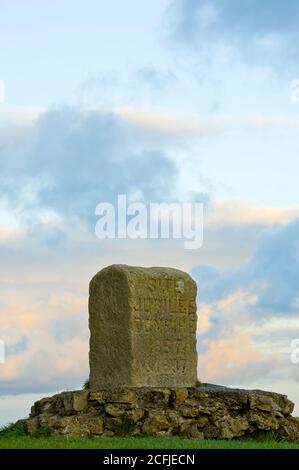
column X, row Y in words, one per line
column 142, row 328
column 143, row 370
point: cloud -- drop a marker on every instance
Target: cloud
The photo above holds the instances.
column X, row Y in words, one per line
column 18, row 115
column 9, row 234
column 75, row 159
column 252, row 28
column 154, row 78
column 233, row 359
column 184, row 127
column 16, row 124
column 14, row 407
column 46, row 340
column 140, row 86
column 248, row 314
column 153, row 121
column 236, row 213
column 272, row 272
column 169, row 123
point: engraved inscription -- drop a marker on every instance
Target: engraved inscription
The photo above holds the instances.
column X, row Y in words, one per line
column 143, row 328
column 164, row 324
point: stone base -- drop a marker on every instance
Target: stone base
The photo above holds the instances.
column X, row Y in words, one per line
column 205, row 412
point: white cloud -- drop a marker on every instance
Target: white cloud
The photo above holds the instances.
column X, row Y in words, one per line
column 238, row 213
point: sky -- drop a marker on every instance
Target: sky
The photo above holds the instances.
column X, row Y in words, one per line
column 168, row 100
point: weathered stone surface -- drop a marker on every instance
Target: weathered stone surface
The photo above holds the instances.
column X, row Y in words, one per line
column 32, row 425
column 80, row 401
column 114, row 396
column 180, row 395
column 155, row 422
column 114, row 410
column 142, row 328
column 209, row 412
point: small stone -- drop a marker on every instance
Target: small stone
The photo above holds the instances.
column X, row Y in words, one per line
column 173, row 417
column 98, row 396
column 192, row 432
column 121, row 396
column 263, row 402
column 263, row 420
column 288, row 406
column 231, row 427
column 155, row 422
column 163, row 433
column 157, row 397
column 189, row 412
column 82, row 425
column 289, row 429
column 68, row 402
column 211, row 432
column 180, row 396
column 70, row 426
column 185, row 425
column 33, row 410
column 49, row 421
column 43, row 405
column 135, row 415
column 113, row 424
column 95, row 426
column 32, row 425
column 202, row 421
column 113, row 410
column 80, row 401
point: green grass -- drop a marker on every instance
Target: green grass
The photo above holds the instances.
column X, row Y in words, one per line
column 13, row 436
column 25, row 442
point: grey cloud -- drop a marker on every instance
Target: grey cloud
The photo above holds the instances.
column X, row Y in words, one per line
column 76, row 159
column 257, row 301
column 19, row 347
column 272, row 273
column 252, row 27
column 155, row 78
column 133, row 87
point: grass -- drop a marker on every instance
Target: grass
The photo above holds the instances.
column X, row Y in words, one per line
column 13, row 436
column 26, row 442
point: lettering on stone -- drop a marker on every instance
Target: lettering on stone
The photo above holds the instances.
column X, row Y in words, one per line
column 143, row 328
